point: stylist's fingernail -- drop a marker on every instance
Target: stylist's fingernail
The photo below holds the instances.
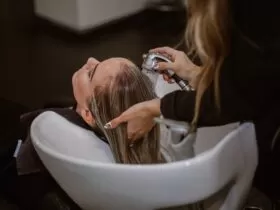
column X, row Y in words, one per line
column 108, row 125
column 156, row 66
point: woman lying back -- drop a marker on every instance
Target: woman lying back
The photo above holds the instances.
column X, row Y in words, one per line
column 103, row 90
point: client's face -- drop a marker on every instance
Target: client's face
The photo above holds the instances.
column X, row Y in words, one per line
column 91, row 75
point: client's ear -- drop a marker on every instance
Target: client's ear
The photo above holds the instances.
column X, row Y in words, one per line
column 87, row 116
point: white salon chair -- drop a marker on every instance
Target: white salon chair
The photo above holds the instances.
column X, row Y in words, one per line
column 84, row 167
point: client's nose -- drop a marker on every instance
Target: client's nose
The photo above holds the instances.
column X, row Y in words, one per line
column 92, row 62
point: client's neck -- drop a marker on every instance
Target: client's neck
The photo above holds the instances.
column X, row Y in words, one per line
column 97, row 131
column 78, row 109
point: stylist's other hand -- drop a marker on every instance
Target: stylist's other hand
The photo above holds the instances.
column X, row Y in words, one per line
column 181, row 65
column 139, row 119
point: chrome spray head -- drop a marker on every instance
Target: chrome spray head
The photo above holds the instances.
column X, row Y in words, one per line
column 150, row 62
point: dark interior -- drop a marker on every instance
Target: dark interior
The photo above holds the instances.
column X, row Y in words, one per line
column 38, row 59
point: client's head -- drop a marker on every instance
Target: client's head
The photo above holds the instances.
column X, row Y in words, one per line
column 103, row 90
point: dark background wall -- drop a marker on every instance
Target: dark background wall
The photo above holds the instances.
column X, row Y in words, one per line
column 37, row 59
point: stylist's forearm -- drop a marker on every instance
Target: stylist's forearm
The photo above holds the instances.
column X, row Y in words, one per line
column 155, row 107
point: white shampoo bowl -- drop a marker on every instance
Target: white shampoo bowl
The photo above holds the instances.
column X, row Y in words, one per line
column 84, row 167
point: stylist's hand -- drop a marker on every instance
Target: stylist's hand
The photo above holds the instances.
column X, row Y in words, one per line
column 181, row 65
column 139, row 119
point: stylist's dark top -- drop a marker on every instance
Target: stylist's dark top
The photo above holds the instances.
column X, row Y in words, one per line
column 249, row 79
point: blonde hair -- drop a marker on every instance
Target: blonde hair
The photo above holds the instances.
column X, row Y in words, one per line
column 129, row 87
column 208, row 37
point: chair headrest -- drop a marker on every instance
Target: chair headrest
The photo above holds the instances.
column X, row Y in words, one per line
column 62, row 136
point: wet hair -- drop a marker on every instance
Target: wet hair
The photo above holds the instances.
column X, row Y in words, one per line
column 124, row 90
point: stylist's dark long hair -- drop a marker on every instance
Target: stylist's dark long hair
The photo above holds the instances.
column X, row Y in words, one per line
column 237, row 43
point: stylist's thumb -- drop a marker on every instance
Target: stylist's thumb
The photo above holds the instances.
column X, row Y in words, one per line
column 115, row 122
column 161, row 66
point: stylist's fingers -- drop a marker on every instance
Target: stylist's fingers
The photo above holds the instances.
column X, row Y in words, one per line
column 162, row 66
column 116, row 122
column 165, row 77
column 132, row 137
column 165, row 50
column 135, row 137
column 168, row 79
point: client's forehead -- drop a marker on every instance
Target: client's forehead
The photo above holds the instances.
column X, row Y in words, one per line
column 112, row 66
column 109, row 68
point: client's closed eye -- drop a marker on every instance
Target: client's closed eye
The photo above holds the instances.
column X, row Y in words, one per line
column 91, row 72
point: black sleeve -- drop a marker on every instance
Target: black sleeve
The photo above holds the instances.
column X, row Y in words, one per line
column 179, row 105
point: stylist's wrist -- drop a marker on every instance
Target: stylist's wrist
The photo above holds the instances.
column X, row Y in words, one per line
column 195, row 75
column 154, row 107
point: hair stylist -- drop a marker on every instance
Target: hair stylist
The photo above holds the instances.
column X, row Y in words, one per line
column 237, row 43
